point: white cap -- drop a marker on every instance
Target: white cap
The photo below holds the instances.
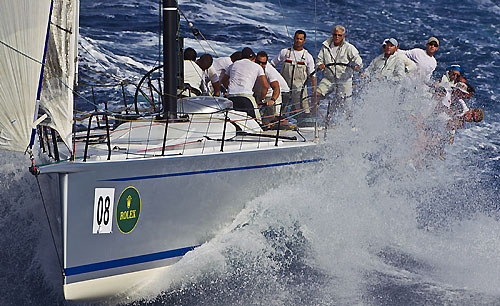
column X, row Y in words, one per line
column 393, row 41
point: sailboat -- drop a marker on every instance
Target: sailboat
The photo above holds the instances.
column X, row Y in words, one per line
column 132, row 192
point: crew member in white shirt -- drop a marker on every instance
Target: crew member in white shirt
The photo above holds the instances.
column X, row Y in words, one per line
column 195, row 71
column 410, row 65
column 425, row 60
column 296, row 65
column 193, row 74
column 218, row 69
column 278, row 85
column 240, row 79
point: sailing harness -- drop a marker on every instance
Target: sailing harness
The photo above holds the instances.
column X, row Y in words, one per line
column 294, row 63
column 289, row 72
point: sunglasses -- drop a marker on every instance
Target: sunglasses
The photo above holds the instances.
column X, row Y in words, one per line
column 260, row 63
column 433, row 44
column 340, row 35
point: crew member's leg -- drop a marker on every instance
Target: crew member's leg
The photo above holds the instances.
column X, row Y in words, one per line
column 243, row 103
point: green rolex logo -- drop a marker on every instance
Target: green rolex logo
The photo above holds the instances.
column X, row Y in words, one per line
column 128, row 209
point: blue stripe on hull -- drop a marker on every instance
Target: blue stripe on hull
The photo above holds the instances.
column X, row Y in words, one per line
column 126, row 261
column 148, row 177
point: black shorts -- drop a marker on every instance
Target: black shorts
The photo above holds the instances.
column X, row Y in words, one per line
column 241, row 103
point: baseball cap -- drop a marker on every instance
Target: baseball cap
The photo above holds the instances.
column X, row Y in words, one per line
column 454, row 67
column 393, row 41
column 247, row 53
column 433, row 39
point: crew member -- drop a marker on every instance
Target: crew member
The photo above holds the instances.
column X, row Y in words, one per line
column 240, row 79
column 195, row 71
column 296, row 64
column 425, row 60
column 278, row 85
column 218, row 69
column 342, row 58
column 193, row 74
column 451, row 77
column 387, row 65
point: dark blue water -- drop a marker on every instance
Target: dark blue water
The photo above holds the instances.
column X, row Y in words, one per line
column 357, row 233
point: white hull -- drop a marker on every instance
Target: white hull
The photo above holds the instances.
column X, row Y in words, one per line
column 185, row 201
column 105, row 287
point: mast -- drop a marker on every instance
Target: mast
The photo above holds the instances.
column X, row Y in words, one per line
column 170, row 27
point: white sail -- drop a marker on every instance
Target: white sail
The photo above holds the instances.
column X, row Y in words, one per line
column 60, row 68
column 23, row 29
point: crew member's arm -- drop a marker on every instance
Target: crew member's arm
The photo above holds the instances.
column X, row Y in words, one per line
column 275, row 85
column 278, row 59
column 225, row 80
column 310, row 70
column 355, row 59
column 263, row 85
column 216, row 86
column 321, row 59
column 399, row 69
column 410, row 65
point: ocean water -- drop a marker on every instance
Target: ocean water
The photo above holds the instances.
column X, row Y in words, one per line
column 372, row 227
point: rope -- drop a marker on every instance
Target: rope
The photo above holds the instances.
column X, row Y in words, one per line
column 36, row 171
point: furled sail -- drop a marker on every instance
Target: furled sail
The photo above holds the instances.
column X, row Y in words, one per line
column 23, row 31
column 60, row 68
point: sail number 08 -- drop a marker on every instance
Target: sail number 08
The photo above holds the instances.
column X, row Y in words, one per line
column 103, row 210
column 102, row 214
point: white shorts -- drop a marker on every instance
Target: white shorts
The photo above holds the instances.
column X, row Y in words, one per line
column 342, row 89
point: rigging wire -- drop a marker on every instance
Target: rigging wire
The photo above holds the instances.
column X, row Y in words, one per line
column 36, row 171
column 21, row 52
column 159, row 30
column 347, row 17
column 315, row 27
column 59, row 79
column 197, row 32
column 100, row 64
column 284, row 20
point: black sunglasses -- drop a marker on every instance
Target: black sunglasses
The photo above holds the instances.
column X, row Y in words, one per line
column 434, row 44
column 260, row 63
